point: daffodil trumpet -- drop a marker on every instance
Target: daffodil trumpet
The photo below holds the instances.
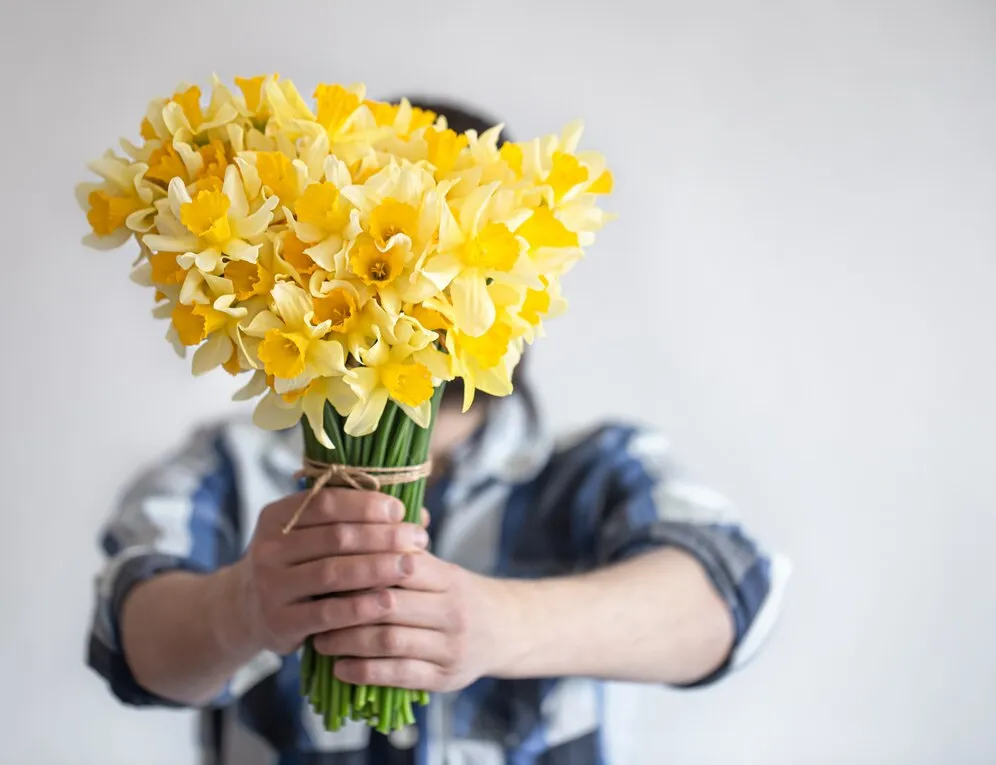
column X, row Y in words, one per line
column 346, row 258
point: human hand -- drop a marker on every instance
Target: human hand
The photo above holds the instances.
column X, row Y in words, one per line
column 441, row 630
column 348, row 541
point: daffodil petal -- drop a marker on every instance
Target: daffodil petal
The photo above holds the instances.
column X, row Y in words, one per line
column 192, row 290
column 441, row 268
column 474, row 205
column 325, row 251
column 255, row 224
column 314, row 410
column 284, row 385
column 208, row 260
column 341, row 396
column 110, row 242
column 366, row 415
column 255, row 386
column 421, row 415
column 171, row 243
column 214, row 352
column 178, row 195
column 237, row 249
column 262, row 323
column 327, row 358
column 472, row 304
column 362, row 381
column 292, row 303
column 233, row 189
column 273, row 413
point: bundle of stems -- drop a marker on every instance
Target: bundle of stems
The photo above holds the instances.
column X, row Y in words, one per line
column 397, row 442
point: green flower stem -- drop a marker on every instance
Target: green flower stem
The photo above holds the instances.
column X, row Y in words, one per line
column 386, row 724
column 397, row 442
column 332, row 712
column 323, row 683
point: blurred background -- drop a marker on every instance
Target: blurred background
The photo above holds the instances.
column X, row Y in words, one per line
column 799, row 291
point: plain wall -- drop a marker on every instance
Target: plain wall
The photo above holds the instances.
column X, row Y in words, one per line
column 799, row 291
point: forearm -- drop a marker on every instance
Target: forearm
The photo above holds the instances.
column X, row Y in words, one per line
column 655, row 618
column 182, row 636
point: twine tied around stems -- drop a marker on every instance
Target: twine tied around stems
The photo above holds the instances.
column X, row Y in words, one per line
column 360, row 478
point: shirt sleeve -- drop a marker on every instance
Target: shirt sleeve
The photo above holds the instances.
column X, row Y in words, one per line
column 650, row 504
column 180, row 516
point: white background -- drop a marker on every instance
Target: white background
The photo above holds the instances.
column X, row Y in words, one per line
column 799, row 290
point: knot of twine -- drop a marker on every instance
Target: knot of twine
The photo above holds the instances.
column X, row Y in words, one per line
column 360, row 478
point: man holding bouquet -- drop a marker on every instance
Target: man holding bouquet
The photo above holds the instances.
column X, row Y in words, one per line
column 541, row 569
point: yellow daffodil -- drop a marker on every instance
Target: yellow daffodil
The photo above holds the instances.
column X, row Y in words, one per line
column 484, row 362
column 253, row 104
column 325, row 219
column 474, row 250
column 184, row 118
column 217, row 225
column 281, row 175
column 276, row 411
column 563, row 175
column 387, row 271
column 219, row 326
column 292, row 349
column 400, row 204
column 354, row 314
column 122, row 204
column 400, row 371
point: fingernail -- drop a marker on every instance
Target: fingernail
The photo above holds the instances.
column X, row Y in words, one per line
column 421, row 539
column 395, row 510
column 406, row 564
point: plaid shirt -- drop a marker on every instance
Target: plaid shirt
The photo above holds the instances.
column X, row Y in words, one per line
column 515, row 504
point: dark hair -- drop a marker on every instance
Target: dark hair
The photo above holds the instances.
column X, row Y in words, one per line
column 461, row 119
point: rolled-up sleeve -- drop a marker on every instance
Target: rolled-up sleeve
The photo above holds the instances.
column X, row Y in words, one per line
column 649, row 504
column 180, row 516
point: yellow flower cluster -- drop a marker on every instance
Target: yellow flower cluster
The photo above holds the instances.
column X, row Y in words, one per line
column 352, row 251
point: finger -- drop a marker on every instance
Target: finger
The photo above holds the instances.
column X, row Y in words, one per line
column 394, row 673
column 429, row 574
column 336, row 505
column 316, row 542
column 341, row 612
column 347, row 573
column 386, row 641
column 415, row 608
column 426, row 518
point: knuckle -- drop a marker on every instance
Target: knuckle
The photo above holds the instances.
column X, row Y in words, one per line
column 366, row 673
column 326, row 501
column 343, row 538
column 329, row 573
column 386, row 603
column 329, row 613
column 392, row 641
column 362, row 609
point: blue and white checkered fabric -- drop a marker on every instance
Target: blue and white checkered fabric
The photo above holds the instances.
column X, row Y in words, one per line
column 515, row 504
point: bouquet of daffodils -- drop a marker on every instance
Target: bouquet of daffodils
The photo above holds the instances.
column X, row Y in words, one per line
column 349, row 258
